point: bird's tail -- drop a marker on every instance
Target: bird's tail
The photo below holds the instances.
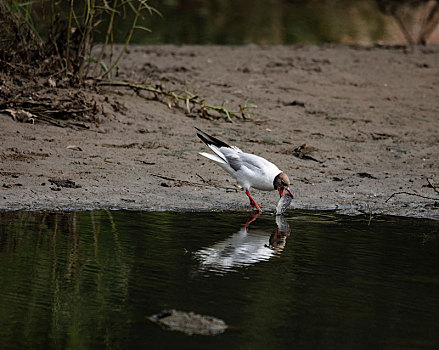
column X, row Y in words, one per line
column 213, row 157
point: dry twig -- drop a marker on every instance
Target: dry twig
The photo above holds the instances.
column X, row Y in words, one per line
column 186, row 97
column 194, row 183
column 432, row 186
column 410, row 194
column 416, row 194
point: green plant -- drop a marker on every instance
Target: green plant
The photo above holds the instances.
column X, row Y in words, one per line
column 58, row 51
column 66, row 37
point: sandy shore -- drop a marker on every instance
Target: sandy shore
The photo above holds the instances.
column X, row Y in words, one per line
column 371, row 114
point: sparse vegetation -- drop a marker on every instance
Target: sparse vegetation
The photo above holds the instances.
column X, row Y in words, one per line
column 47, row 66
column 47, row 59
column 63, row 40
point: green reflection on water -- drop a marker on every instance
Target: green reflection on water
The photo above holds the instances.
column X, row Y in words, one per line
column 84, row 280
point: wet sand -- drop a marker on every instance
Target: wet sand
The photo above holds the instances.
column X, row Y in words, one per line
column 370, row 114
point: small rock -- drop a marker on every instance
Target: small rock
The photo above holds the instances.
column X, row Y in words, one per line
column 189, row 322
column 11, row 185
column 366, row 175
column 295, row 103
column 74, row 148
column 305, row 152
column 64, row 183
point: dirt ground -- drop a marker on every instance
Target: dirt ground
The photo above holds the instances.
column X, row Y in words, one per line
column 371, row 115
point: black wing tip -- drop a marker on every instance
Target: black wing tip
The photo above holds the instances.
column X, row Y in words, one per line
column 201, row 134
column 210, row 140
column 206, row 141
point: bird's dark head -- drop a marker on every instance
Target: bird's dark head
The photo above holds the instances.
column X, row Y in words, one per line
column 282, row 182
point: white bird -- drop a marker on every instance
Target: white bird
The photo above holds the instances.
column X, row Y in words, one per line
column 244, row 248
column 249, row 170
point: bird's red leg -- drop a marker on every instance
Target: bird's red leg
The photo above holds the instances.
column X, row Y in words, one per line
column 252, row 201
column 251, row 218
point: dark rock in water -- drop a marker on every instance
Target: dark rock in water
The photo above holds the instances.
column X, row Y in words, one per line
column 189, row 322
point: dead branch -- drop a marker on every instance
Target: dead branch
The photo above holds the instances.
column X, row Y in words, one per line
column 185, row 96
column 432, row 186
column 194, row 183
column 410, row 194
column 202, row 179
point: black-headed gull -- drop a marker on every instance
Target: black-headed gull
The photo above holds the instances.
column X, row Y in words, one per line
column 249, row 170
column 244, row 248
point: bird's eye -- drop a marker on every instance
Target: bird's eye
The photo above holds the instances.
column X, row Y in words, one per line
column 283, row 183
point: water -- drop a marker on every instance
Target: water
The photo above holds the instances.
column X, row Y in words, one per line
column 88, row 280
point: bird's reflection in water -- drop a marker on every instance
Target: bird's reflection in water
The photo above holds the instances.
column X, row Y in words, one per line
column 246, row 247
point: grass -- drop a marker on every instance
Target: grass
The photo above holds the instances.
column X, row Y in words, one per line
column 54, row 39
column 66, row 36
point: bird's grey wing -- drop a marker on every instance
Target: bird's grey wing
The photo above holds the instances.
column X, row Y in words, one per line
column 237, row 160
column 256, row 163
column 233, row 157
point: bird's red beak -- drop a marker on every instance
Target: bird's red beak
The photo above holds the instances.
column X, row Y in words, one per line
column 281, row 191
